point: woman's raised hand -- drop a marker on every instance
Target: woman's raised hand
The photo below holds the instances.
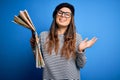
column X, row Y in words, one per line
column 86, row 43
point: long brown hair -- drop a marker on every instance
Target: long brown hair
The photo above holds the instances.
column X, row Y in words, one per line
column 69, row 47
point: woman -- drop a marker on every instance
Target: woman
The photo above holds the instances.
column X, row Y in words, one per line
column 62, row 48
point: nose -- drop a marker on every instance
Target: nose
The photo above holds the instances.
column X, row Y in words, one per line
column 63, row 15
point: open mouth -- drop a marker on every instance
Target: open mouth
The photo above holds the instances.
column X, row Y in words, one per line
column 62, row 20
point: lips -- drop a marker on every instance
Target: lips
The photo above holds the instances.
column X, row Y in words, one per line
column 62, row 20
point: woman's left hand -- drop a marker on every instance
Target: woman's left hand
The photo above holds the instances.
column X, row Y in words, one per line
column 86, row 43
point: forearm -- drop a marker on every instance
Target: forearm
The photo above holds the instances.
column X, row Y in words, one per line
column 80, row 59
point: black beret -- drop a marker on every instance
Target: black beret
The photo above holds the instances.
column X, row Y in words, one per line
column 71, row 7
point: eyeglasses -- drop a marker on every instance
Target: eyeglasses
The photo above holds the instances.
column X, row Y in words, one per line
column 66, row 14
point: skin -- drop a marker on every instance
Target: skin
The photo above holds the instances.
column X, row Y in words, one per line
column 63, row 22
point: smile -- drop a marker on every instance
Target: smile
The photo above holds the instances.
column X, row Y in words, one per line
column 62, row 19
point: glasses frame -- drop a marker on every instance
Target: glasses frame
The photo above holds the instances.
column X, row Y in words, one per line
column 66, row 14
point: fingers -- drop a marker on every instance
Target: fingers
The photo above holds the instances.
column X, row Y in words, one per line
column 94, row 39
column 85, row 40
column 32, row 42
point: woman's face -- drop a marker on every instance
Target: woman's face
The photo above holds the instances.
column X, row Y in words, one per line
column 63, row 17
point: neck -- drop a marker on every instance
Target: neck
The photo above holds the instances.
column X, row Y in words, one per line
column 62, row 30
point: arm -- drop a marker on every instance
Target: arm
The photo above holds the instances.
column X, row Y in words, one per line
column 80, row 55
column 81, row 46
column 80, row 59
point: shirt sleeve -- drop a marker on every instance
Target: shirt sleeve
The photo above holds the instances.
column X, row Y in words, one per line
column 80, row 56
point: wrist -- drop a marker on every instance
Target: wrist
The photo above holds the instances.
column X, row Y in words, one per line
column 81, row 50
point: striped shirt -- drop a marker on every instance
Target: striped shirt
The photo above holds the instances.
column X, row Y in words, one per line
column 59, row 68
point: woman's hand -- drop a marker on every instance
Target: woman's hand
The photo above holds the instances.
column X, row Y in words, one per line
column 86, row 43
column 32, row 40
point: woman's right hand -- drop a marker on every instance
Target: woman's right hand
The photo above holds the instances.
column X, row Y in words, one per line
column 32, row 40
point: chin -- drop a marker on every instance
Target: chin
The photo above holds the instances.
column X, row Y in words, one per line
column 63, row 24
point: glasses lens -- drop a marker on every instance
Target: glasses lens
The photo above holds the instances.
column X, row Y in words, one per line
column 60, row 13
column 66, row 14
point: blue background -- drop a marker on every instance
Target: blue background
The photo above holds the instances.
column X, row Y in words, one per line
column 100, row 18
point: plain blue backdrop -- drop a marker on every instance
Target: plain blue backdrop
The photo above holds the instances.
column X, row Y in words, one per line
column 100, row 18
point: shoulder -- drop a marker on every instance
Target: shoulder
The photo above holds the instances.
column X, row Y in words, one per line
column 78, row 36
column 44, row 33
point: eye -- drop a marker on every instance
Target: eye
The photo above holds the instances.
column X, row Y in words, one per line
column 60, row 12
column 68, row 14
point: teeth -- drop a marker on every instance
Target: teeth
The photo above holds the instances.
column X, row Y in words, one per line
column 62, row 20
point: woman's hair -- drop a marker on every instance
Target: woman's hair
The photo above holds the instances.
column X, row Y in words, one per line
column 68, row 48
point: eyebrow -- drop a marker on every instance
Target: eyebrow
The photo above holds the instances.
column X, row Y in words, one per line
column 65, row 12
